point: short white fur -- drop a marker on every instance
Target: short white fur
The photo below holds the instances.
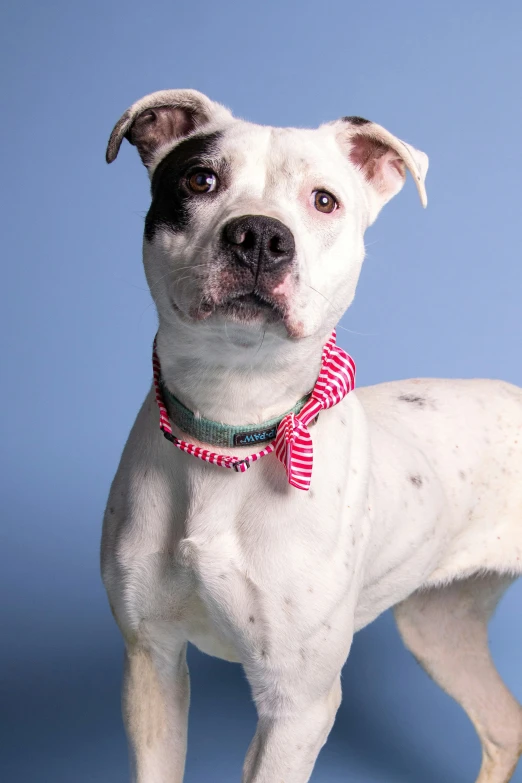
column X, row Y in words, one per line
column 416, row 494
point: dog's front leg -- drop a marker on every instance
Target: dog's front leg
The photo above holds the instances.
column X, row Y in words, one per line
column 296, row 685
column 156, row 695
column 286, row 745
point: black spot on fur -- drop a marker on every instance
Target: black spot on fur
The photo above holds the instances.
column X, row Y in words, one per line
column 413, row 399
column 416, row 481
column 462, row 475
column 251, row 619
column 170, row 207
column 356, row 120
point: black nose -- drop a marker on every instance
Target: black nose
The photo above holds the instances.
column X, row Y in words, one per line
column 259, row 242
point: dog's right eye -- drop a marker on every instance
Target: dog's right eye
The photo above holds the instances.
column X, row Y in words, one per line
column 202, row 181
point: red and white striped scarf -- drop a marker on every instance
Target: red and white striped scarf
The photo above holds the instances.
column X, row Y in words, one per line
column 293, row 444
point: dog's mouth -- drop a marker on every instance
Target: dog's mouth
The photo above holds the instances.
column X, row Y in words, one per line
column 251, row 306
column 247, row 308
column 244, row 308
column 249, row 303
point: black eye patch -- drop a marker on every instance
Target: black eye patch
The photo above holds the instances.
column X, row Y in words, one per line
column 170, row 203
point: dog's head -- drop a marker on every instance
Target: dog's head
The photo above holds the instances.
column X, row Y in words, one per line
column 258, row 226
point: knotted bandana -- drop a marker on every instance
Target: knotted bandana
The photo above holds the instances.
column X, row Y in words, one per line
column 293, row 443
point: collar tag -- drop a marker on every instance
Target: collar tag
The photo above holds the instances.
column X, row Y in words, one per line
column 252, row 437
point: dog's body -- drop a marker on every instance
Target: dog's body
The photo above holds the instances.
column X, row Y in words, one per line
column 416, row 494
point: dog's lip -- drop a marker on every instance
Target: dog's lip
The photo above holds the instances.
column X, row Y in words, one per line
column 251, row 304
column 246, row 306
column 252, row 299
column 200, row 313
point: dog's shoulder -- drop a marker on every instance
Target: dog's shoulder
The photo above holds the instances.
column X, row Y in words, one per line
column 434, row 410
column 439, row 394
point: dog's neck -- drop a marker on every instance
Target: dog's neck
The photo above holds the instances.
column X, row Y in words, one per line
column 235, row 376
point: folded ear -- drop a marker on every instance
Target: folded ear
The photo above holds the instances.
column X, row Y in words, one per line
column 382, row 158
column 163, row 117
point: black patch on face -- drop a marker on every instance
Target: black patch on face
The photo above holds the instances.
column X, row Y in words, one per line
column 356, row 120
column 170, row 199
column 416, row 481
column 413, row 399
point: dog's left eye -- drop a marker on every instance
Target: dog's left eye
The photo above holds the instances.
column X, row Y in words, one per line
column 202, row 181
column 324, row 201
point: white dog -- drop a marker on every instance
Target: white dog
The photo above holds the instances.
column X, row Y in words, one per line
column 253, row 247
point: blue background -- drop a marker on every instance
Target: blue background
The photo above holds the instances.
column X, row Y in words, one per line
column 439, row 295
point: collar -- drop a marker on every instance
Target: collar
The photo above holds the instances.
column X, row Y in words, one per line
column 225, row 435
column 292, row 445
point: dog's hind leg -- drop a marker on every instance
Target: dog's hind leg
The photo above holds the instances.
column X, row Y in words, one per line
column 446, row 630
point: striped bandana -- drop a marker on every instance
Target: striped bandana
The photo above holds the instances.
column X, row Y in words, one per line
column 293, row 444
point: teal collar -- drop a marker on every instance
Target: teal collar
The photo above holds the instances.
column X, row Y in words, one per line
column 224, row 435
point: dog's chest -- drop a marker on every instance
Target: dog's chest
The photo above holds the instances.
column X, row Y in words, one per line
column 248, row 576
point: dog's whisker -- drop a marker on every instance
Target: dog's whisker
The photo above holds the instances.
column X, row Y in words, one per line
column 131, row 285
column 339, row 326
column 226, row 331
column 150, row 304
column 336, row 310
column 260, row 344
column 181, row 279
column 174, row 272
column 359, row 334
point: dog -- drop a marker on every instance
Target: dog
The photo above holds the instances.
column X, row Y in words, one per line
column 253, row 246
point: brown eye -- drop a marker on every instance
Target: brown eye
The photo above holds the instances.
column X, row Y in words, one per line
column 202, row 181
column 324, row 201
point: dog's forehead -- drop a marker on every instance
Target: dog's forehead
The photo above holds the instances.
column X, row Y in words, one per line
column 290, row 151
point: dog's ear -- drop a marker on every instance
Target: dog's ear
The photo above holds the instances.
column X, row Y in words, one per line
column 163, row 117
column 382, row 158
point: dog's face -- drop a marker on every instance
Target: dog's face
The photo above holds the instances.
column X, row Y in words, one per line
column 258, row 226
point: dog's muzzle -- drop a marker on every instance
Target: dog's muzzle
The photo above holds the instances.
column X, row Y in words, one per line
column 261, row 244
